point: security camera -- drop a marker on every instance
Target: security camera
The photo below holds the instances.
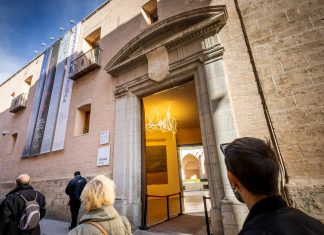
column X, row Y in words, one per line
column 5, row 133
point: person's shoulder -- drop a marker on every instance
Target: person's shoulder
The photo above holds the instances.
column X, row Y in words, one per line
column 73, row 180
column 300, row 217
column 127, row 225
column 125, row 220
column 255, row 231
column 14, row 195
column 84, row 229
column 293, row 213
column 11, row 197
column 39, row 194
column 285, row 220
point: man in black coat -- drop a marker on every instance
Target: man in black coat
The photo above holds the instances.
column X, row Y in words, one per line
column 74, row 190
column 253, row 169
column 13, row 206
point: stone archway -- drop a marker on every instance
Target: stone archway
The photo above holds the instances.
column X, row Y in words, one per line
column 191, row 167
column 148, row 64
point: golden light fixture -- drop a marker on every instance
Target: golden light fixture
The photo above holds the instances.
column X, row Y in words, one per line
column 164, row 124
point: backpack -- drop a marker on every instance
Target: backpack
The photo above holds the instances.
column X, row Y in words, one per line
column 30, row 216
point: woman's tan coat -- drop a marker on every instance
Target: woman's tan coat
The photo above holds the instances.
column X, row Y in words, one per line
column 108, row 218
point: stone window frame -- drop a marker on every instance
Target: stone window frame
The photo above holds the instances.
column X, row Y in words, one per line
column 82, row 120
column 150, row 12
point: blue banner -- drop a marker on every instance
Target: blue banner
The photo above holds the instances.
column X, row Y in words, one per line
column 56, row 95
column 36, row 104
column 45, row 101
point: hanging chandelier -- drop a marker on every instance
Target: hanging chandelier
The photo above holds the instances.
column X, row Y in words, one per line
column 157, row 122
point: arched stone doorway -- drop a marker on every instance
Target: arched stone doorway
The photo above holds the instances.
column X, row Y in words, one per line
column 149, row 64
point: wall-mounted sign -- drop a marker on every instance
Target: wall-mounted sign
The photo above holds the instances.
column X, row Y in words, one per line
column 104, row 137
column 103, row 156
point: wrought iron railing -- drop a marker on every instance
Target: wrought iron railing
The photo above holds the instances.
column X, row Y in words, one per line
column 169, row 215
column 85, row 63
column 206, row 215
column 18, row 103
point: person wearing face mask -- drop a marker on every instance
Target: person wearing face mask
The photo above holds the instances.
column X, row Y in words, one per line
column 253, row 171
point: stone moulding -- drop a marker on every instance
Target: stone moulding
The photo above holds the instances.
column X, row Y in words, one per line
column 142, row 84
column 170, row 33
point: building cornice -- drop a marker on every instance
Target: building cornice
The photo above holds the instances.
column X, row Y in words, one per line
column 170, row 33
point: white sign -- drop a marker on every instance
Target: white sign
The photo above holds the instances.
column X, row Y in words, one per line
column 103, row 156
column 104, row 137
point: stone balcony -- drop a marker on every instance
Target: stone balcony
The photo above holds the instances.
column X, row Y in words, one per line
column 18, row 103
column 85, row 63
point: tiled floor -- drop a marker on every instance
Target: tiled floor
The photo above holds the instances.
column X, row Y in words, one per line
column 185, row 224
column 192, row 203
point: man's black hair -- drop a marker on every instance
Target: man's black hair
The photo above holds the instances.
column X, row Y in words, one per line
column 77, row 173
column 254, row 163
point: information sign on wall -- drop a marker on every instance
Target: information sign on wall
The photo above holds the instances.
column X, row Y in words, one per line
column 104, row 137
column 103, row 156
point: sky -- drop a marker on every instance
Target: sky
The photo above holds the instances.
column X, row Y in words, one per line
column 26, row 24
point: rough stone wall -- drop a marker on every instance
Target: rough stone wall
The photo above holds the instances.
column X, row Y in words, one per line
column 56, row 200
column 287, row 39
column 54, row 191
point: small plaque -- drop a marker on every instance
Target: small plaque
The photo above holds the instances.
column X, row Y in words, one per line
column 103, row 156
column 104, row 137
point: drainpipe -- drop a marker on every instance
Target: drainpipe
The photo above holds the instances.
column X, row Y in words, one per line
column 283, row 173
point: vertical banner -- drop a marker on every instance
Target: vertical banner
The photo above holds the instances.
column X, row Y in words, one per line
column 56, row 95
column 45, row 101
column 62, row 118
column 36, row 104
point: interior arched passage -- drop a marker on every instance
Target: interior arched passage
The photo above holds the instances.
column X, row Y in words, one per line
column 191, row 167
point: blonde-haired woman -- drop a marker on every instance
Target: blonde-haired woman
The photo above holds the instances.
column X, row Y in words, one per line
column 98, row 198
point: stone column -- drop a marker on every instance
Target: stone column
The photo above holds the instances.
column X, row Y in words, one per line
column 210, row 152
column 233, row 212
column 127, row 157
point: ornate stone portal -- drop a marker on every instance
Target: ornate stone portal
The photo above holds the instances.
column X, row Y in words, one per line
column 179, row 49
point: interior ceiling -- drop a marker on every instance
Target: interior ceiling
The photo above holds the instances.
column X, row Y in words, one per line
column 183, row 103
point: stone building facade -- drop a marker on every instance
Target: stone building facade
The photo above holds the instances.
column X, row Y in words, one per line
column 257, row 68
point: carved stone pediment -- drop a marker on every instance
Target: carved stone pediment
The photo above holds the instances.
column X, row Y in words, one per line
column 167, row 34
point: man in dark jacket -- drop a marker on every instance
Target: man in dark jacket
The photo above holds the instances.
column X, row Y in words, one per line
column 252, row 170
column 13, row 206
column 74, row 190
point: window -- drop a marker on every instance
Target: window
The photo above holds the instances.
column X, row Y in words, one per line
column 90, row 57
column 150, row 12
column 93, row 39
column 86, row 122
column 29, row 80
column 82, row 121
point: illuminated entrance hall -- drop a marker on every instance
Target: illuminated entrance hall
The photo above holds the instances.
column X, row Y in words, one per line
column 174, row 157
